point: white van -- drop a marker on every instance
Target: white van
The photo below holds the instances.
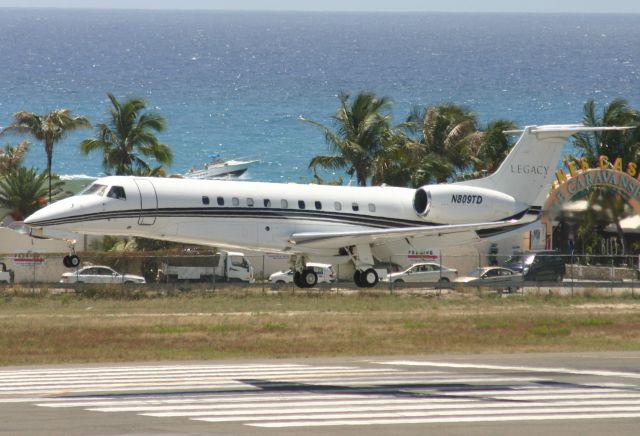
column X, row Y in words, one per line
column 324, row 272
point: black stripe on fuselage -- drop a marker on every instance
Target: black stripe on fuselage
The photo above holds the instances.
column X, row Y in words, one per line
column 254, row 213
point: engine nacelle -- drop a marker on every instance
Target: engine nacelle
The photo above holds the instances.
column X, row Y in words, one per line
column 453, row 204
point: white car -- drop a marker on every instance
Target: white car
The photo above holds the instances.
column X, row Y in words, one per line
column 100, row 274
column 429, row 272
column 324, row 272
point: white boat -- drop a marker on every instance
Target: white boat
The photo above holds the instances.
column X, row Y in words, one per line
column 219, row 167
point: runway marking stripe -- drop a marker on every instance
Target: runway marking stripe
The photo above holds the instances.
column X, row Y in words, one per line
column 207, row 400
column 131, row 369
column 602, row 373
column 384, row 402
column 374, row 409
column 457, row 419
column 192, row 399
column 198, row 384
column 404, row 415
column 210, row 376
column 166, row 374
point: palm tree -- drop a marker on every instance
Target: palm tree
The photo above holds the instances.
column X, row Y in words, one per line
column 11, row 157
column 612, row 143
column 624, row 144
column 23, row 191
column 49, row 128
column 128, row 136
column 446, row 131
column 490, row 147
column 358, row 137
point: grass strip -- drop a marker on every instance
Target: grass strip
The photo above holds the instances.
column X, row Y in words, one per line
column 74, row 329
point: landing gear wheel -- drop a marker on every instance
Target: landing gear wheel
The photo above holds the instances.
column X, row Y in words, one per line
column 71, row 261
column 296, row 279
column 308, row 278
column 369, row 278
column 74, row 261
column 357, row 278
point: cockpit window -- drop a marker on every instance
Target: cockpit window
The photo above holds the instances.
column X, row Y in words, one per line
column 94, row 189
column 117, row 192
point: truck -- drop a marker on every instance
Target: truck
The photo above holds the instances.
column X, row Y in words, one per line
column 6, row 275
column 225, row 266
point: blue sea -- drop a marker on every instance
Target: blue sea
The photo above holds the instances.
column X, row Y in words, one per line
column 237, row 82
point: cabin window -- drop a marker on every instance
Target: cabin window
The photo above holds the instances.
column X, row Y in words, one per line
column 220, row 201
column 284, row 204
column 205, row 199
column 117, row 192
column 250, row 202
column 301, row 204
column 337, row 205
column 266, row 202
column 372, row 207
column 235, row 201
column 318, row 205
column 355, row 207
column 94, row 189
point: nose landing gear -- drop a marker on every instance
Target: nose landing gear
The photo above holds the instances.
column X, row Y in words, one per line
column 71, row 261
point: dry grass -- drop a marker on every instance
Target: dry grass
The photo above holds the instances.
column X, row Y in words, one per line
column 70, row 328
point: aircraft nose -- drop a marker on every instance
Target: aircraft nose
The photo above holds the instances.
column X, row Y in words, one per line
column 49, row 215
column 35, row 217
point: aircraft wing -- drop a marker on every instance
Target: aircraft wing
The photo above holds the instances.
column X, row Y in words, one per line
column 458, row 233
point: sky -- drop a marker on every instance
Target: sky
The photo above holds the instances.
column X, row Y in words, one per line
column 546, row 6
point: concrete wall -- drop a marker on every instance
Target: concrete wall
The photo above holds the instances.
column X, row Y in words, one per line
column 32, row 258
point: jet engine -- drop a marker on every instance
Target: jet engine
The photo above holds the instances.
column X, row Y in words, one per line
column 454, row 204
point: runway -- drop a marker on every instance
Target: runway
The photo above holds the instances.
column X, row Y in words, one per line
column 568, row 393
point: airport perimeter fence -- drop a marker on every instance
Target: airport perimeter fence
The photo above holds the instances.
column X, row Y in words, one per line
column 436, row 274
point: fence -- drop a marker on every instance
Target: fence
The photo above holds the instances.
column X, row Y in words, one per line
column 533, row 273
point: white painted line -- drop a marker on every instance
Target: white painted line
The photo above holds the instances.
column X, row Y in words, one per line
column 456, row 419
column 185, row 374
column 284, row 405
column 205, row 400
column 376, row 408
column 401, row 415
column 160, row 368
column 600, row 373
column 65, row 390
column 224, row 383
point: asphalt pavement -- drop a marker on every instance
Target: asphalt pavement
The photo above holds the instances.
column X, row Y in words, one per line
column 525, row 394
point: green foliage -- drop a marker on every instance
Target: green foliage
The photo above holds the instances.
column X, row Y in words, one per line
column 128, row 135
column 11, row 158
column 358, row 137
column 433, row 145
column 24, row 191
column 606, row 206
column 49, row 129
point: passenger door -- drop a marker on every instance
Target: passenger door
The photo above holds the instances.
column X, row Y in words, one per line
column 148, row 202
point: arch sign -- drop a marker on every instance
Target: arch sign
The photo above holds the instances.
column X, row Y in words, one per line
column 583, row 178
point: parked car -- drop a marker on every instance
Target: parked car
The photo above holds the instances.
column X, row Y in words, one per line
column 100, row 274
column 429, row 272
column 538, row 265
column 324, row 272
column 494, row 277
column 6, row 275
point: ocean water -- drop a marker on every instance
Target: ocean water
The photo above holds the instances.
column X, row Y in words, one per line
column 237, row 82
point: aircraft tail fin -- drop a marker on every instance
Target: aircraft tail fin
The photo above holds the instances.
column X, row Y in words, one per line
column 528, row 170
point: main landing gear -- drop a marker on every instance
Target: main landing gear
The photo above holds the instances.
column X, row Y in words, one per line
column 366, row 279
column 307, row 278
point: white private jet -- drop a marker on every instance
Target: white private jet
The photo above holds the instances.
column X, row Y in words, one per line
column 332, row 224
